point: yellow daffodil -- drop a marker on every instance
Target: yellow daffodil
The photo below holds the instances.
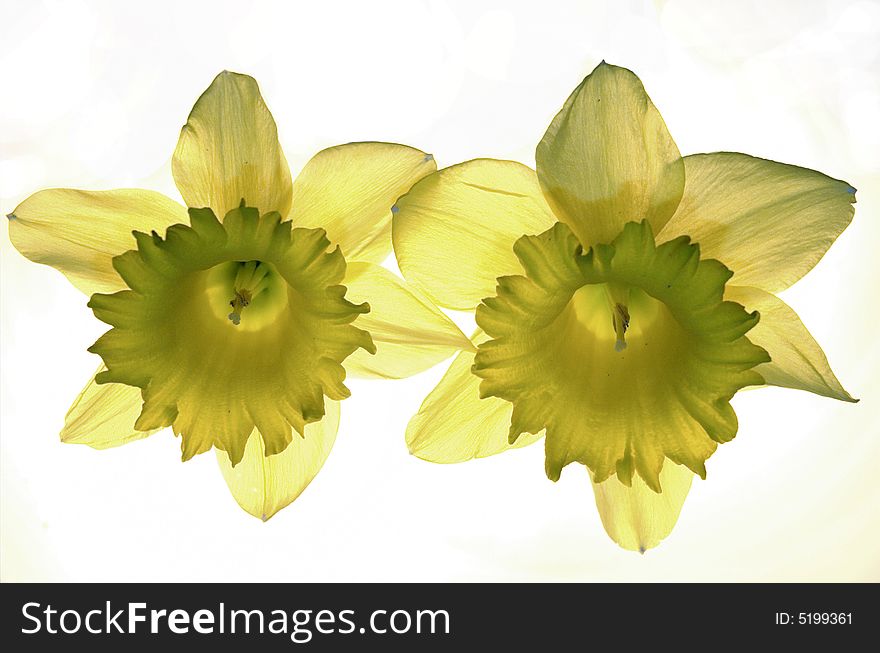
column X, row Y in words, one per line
column 232, row 322
column 624, row 294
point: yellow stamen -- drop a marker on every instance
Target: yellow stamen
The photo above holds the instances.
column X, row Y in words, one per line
column 251, row 279
column 620, row 319
column 618, row 298
column 242, row 299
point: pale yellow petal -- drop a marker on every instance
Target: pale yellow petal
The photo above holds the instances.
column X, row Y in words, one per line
column 454, row 231
column 79, row 232
column 797, row 360
column 608, row 159
column 454, row 425
column 228, row 151
column 410, row 333
column 768, row 222
column 103, row 416
column 349, row 191
column 636, row 517
column 264, row 485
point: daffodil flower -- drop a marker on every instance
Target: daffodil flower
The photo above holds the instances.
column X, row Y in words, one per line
column 624, row 294
column 232, row 322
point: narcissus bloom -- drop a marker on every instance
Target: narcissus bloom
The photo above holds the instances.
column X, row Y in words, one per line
column 624, row 294
column 234, row 322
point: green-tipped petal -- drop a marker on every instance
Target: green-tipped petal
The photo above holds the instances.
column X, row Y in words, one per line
column 410, row 333
column 349, row 191
column 797, row 360
column 454, row 231
column 768, row 222
column 608, row 159
column 103, row 415
column 454, row 425
column 262, row 485
column 636, row 517
column 228, row 151
column 79, row 232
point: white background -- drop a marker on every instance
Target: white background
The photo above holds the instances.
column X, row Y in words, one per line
column 93, row 96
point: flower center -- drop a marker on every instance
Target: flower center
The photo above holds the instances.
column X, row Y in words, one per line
column 228, row 327
column 248, row 295
column 592, row 302
column 622, row 321
column 251, row 279
column 626, row 354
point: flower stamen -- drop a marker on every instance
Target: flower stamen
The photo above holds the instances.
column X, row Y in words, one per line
column 618, row 301
column 251, row 279
column 620, row 320
column 242, row 299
